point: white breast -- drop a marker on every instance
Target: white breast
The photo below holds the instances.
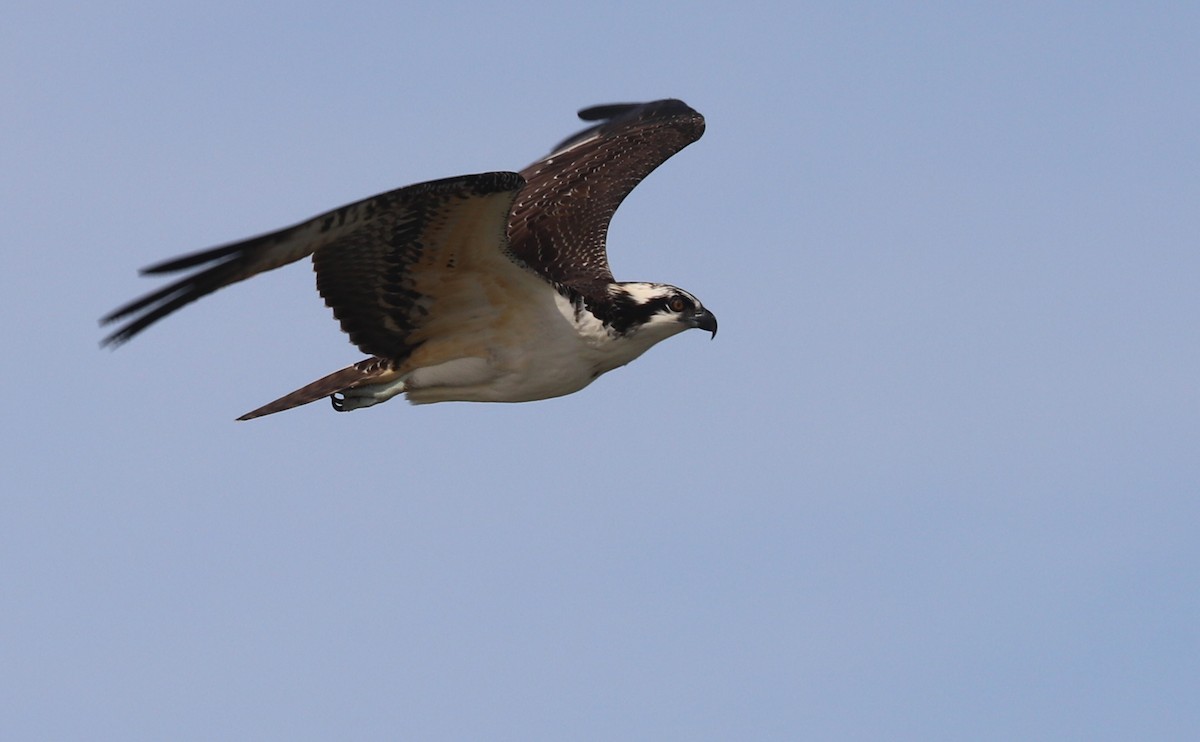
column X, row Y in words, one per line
column 536, row 350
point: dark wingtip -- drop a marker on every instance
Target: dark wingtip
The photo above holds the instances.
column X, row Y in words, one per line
column 608, row 113
column 192, row 260
column 118, row 337
column 612, row 110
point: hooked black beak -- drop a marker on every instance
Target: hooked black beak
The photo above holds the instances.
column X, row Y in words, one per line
column 705, row 320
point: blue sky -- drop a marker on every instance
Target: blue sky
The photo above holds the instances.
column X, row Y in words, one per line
column 936, row 478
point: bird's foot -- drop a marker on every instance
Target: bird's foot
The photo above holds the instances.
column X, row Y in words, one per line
column 365, row 395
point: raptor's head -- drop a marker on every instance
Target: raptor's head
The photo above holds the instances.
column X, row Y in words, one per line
column 657, row 310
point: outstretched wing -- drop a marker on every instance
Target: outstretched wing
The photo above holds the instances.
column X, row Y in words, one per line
column 560, row 220
column 361, row 253
column 429, row 269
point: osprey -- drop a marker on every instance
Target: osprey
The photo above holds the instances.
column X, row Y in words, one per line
column 492, row 287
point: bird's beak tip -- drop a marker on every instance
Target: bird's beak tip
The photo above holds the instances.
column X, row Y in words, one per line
column 705, row 320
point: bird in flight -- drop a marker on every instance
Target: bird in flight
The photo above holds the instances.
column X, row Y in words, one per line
column 492, row 287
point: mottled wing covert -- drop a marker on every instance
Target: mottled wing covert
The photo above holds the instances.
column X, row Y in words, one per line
column 559, row 222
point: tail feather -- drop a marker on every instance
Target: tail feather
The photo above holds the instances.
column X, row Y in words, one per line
column 365, row 371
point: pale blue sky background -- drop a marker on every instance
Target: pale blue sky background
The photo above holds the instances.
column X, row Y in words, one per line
column 936, row 479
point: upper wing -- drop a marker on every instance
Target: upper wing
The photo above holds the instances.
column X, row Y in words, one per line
column 361, row 252
column 560, row 220
column 434, row 268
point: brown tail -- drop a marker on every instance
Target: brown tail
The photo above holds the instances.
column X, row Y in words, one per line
column 364, row 371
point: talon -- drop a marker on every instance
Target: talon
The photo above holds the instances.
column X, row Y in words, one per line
column 367, row 395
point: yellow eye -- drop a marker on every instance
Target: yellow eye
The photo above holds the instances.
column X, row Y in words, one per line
column 677, row 304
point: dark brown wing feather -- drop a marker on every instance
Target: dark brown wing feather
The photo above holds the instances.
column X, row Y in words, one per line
column 382, row 281
column 559, row 222
column 389, row 217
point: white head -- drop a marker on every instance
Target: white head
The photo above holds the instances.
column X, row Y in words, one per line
column 656, row 310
